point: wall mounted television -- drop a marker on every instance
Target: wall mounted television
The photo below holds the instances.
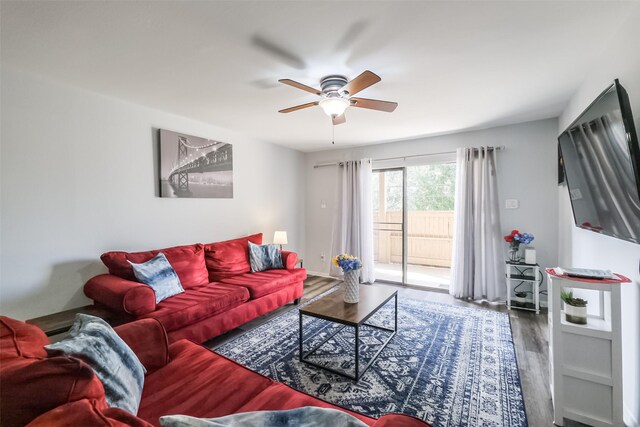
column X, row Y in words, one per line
column 601, row 161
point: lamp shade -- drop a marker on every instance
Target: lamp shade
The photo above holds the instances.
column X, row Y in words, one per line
column 334, row 106
column 280, row 238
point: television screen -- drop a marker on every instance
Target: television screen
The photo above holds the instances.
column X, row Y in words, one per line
column 601, row 159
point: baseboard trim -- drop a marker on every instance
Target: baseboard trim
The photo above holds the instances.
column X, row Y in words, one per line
column 319, row 274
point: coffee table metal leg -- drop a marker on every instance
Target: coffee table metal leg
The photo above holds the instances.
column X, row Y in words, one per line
column 357, row 351
column 358, row 371
column 395, row 326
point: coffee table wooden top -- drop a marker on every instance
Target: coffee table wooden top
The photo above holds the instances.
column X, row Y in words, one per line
column 333, row 308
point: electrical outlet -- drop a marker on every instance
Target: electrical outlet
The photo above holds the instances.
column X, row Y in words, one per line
column 511, row 204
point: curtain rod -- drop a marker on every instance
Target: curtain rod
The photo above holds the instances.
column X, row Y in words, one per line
column 321, row 165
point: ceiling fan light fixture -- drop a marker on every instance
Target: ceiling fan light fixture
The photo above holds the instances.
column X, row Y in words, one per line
column 334, row 106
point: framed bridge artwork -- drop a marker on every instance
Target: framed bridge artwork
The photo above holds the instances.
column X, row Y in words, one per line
column 195, row 167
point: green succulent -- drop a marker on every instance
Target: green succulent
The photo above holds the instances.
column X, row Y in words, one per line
column 567, row 297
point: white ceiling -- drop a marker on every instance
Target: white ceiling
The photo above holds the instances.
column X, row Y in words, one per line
column 450, row 65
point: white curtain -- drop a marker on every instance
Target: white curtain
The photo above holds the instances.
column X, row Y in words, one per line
column 353, row 223
column 477, row 270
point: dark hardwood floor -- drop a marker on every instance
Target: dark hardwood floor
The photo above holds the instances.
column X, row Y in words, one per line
column 530, row 337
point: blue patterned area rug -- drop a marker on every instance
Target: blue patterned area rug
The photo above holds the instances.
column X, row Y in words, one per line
column 448, row 365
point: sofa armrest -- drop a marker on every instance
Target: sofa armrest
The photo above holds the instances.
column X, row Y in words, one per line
column 86, row 412
column 121, row 295
column 391, row 420
column 148, row 340
column 289, row 259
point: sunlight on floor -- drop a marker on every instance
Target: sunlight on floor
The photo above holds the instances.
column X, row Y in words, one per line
column 432, row 277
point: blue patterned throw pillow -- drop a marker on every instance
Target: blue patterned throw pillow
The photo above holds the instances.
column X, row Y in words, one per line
column 158, row 273
column 307, row 416
column 93, row 341
column 264, row 257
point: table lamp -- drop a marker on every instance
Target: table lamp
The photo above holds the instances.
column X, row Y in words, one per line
column 280, row 238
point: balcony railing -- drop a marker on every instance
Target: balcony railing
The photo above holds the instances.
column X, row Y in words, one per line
column 429, row 233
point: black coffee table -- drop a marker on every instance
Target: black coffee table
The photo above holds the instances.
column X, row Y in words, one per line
column 333, row 308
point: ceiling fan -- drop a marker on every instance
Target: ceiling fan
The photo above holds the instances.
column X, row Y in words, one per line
column 337, row 95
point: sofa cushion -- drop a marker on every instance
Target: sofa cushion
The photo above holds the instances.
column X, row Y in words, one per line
column 196, row 304
column 266, row 282
column 229, row 258
column 19, row 339
column 187, row 261
column 199, row 383
column 41, row 385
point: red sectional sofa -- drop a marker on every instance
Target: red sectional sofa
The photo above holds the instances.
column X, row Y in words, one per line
column 221, row 292
column 182, row 378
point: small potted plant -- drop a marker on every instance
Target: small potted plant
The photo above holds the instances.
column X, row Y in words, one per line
column 575, row 309
column 519, row 299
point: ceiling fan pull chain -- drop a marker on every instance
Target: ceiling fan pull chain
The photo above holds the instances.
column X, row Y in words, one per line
column 333, row 133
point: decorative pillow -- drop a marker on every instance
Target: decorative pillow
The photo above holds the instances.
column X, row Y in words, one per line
column 264, row 257
column 158, row 273
column 307, row 416
column 93, row 341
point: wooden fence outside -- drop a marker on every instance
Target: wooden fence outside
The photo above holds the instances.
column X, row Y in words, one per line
column 430, row 238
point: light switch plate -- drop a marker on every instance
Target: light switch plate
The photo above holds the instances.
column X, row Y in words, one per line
column 575, row 194
column 511, row 204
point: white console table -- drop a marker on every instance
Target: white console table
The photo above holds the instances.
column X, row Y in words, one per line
column 585, row 361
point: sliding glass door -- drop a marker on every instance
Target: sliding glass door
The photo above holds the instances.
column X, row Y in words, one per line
column 430, row 197
column 413, row 224
column 388, row 224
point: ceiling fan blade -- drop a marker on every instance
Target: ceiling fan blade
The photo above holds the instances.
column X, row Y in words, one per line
column 279, row 52
column 298, row 107
column 300, row 86
column 338, row 120
column 361, row 82
column 374, row 104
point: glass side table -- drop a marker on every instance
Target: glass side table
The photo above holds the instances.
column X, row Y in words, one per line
column 523, row 286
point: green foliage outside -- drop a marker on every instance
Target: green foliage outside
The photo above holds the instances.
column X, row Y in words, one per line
column 429, row 188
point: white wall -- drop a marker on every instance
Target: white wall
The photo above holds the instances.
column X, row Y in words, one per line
column 583, row 248
column 527, row 171
column 79, row 177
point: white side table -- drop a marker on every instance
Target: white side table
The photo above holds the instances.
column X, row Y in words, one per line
column 525, row 278
column 585, row 361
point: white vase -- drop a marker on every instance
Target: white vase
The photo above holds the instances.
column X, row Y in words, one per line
column 351, row 289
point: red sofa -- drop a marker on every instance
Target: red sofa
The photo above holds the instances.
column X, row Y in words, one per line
column 220, row 294
column 182, row 378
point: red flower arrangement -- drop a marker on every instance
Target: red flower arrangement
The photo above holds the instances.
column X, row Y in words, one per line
column 515, row 238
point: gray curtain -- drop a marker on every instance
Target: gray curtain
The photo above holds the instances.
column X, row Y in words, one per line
column 353, row 223
column 477, row 270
